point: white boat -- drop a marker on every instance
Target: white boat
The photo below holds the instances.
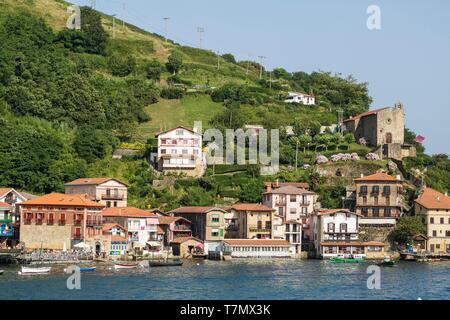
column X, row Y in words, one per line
column 28, row 270
column 125, row 266
column 1, row 272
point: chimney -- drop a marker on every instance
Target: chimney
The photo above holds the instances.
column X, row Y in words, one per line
column 362, row 175
column 278, row 183
column 438, row 198
column 398, row 177
column 269, row 187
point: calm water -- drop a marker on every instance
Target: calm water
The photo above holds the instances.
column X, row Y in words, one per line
column 238, row 279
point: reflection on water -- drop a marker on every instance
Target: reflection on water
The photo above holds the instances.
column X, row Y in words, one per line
column 237, row 279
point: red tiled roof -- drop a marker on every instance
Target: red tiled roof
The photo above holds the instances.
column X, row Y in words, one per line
column 289, row 190
column 60, row 199
column 433, row 199
column 91, row 181
column 352, row 243
column 159, row 230
column 118, row 238
column 4, row 204
column 257, row 242
column 379, row 176
column 196, row 209
column 169, row 220
column 130, row 212
column 184, row 239
column 274, row 184
column 365, row 114
column 322, row 212
column 179, row 127
column 108, row 226
column 4, row 191
column 251, row 207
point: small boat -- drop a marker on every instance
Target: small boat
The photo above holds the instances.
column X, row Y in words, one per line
column 387, row 262
column 165, row 263
column 125, row 266
column 88, row 269
column 42, row 270
column 346, row 259
column 1, row 272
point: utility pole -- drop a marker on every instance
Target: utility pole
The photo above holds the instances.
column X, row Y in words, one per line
column 218, row 60
column 261, row 68
column 200, row 30
column 123, row 18
column 270, row 80
column 166, row 27
column 296, row 155
column 114, row 25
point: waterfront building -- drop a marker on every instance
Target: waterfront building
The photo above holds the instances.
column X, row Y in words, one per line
column 271, row 185
column 6, row 224
column 185, row 247
column 434, row 207
column 174, row 227
column 379, row 199
column 295, row 206
column 251, row 220
column 336, row 231
column 108, row 191
column 180, row 151
column 142, row 227
column 116, row 243
column 59, row 221
column 208, row 223
column 258, row 248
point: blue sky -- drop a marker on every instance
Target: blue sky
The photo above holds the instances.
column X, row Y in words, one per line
column 408, row 60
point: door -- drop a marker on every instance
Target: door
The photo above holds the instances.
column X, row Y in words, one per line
column 98, row 248
column 432, row 247
column 388, row 137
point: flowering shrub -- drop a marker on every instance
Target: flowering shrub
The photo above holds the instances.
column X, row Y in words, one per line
column 372, row 156
column 354, row 156
column 321, row 159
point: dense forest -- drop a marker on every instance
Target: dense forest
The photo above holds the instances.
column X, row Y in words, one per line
column 68, row 98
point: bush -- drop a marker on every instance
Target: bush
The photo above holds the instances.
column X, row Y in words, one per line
column 172, row 93
column 154, row 69
column 121, row 66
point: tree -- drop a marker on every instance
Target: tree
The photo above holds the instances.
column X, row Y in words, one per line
column 304, row 141
column 121, row 65
column 174, row 62
column 407, row 227
column 281, row 73
column 349, row 138
column 228, row 57
column 154, row 69
column 92, row 144
column 95, row 37
column 252, row 191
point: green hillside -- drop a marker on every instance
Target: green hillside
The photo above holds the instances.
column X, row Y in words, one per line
column 68, row 98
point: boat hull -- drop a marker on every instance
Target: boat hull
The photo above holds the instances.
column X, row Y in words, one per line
column 88, row 269
column 1, row 272
column 166, row 264
column 346, row 260
column 26, row 270
column 125, row 266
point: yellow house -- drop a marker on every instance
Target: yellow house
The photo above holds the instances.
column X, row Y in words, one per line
column 254, row 221
column 434, row 207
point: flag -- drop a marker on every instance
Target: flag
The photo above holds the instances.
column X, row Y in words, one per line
column 420, row 139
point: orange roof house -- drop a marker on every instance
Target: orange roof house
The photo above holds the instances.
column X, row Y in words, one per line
column 379, row 176
column 433, row 200
column 129, row 212
column 60, row 199
column 91, row 181
column 251, row 207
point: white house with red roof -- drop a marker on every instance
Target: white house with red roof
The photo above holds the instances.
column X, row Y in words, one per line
column 110, row 192
column 299, row 97
column 180, row 150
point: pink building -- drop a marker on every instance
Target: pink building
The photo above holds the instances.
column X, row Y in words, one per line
column 174, row 227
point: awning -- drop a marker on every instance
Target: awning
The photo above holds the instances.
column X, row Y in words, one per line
column 82, row 245
column 154, row 243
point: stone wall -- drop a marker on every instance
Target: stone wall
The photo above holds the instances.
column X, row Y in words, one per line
column 375, row 234
column 51, row 237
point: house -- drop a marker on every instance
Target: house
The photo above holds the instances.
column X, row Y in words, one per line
column 294, row 207
column 6, row 225
column 208, row 223
column 383, row 128
column 184, row 247
column 116, row 243
column 109, row 192
column 259, row 248
column 180, row 151
column 379, row 199
column 252, row 221
column 174, row 227
column 57, row 221
column 434, row 207
column 303, row 98
column 142, row 226
column 336, row 231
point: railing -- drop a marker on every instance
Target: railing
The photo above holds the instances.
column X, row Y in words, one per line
column 62, row 222
column 181, row 228
column 50, row 222
column 77, row 223
column 280, row 203
column 94, row 222
column 38, row 222
column 27, row 222
column 77, row 237
column 112, row 196
column 305, row 204
column 262, row 229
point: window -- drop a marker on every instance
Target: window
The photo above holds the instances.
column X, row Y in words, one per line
column 185, row 151
column 387, row 212
column 179, row 132
column 365, row 211
column 431, row 220
column 331, row 227
column 215, row 218
column 364, row 200
column 293, row 211
column 195, row 151
column 163, row 151
column 173, row 151
column 388, row 201
column 375, row 200
column 363, row 190
column 215, row 233
column 376, row 212
column 375, row 190
column 447, row 233
column 108, row 204
column 293, row 198
column 434, row 233
column 442, row 220
column 281, row 211
column 343, row 228
column 386, row 190
column 268, row 225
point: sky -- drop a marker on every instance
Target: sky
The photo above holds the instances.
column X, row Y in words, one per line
column 407, row 60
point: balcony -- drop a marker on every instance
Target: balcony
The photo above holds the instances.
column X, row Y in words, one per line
column 115, row 196
column 27, row 222
column 280, row 203
column 94, row 222
column 181, row 228
column 50, row 222
column 77, row 237
column 260, row 229
column 305, row 204
column 38, row 222
column 62, row 222
column 77, row 223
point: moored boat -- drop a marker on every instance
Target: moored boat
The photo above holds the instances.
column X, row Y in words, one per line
column 87, row 269
column 387, row 262
column 1, row 272
column 29, row 270
column 175, row 263
column 125, row 266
